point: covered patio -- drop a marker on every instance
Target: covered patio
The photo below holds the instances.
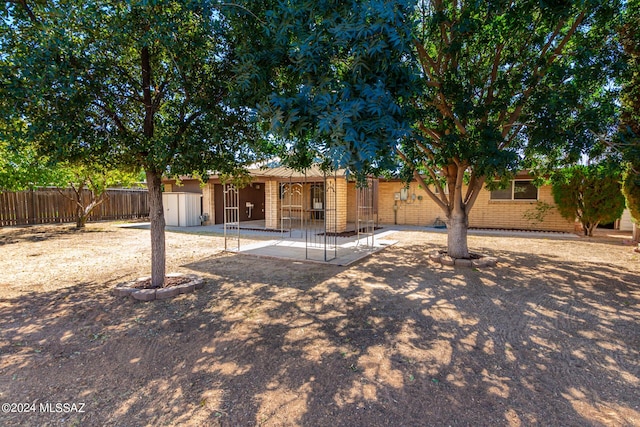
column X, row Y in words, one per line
column 304, row 211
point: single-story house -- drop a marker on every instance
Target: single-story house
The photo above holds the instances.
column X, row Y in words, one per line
column 282, row 198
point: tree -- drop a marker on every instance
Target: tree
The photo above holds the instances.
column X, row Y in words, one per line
column 629, row 134
column 463, row 92
column 135, row 84
column 592, row 194
column 96, row 179
column 21, row 169
column 631, row 191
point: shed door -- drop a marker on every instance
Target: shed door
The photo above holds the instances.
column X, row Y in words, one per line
column 171, row 209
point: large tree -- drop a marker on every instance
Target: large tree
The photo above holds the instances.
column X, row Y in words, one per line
column 629, row 135
column 137, row 84
column 462, row 91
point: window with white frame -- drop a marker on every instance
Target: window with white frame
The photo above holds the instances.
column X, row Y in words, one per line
column 434, row 188
column 517, row 190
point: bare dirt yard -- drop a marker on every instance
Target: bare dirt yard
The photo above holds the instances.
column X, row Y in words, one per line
column 549, row 337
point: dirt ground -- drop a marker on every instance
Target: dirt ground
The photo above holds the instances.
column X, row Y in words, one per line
column 550, row 336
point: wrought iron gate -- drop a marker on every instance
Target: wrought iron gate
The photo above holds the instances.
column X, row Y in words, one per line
column 321, row 226
column 367, row 211
column 291, row 207
column 231, row 216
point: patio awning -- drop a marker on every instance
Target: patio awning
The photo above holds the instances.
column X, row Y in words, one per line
column 283, row 172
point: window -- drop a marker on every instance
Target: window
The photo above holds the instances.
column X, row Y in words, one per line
column 435, row 189
column 517, row 190
column 524, row 190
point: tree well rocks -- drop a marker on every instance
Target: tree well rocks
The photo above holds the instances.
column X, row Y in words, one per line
column 175, row 284
column 477, row 261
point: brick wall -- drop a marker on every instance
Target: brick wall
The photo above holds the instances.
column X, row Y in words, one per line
column 336, row 206
column 272, row 204
column 486, row 213
column 418, row 210
column 352, row 202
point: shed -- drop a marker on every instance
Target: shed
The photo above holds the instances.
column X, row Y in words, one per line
column 626, row 224
column 182, row 209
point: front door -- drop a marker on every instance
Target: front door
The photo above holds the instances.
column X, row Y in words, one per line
column 252, row 202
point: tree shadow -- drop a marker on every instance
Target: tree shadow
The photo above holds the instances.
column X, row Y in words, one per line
column 391, row 340
column 39, row 233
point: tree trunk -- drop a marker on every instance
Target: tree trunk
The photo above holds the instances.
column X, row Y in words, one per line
column 636, row 233
column 83, row 212
column 81, row 219
column 589, row 227
column 154, row 179
column 156, row 215
column 458, row 224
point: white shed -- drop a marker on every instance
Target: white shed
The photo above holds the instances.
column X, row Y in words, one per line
column 625, row 221
column 182, row 209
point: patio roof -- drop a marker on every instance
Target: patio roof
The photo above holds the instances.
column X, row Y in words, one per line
column 283, row 172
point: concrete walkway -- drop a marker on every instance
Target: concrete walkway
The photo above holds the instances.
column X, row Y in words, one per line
column 293, row 246
column 285, row 245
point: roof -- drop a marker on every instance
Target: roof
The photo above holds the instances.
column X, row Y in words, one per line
column 285, row 172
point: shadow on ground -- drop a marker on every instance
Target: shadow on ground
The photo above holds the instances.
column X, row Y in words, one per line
column 392, row 340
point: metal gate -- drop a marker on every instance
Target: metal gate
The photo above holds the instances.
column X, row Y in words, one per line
column 320, row 230
column 308, row 210
column 231, row 216
column 291, row 207
column 367, row 211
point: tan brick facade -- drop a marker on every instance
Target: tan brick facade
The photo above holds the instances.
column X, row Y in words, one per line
column 272, row 204
column 419, row 209
column 352, row 202
column 335, row 200
column 488, row 213
column 336, row 205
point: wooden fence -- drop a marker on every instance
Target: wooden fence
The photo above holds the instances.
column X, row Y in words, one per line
column 45, row 206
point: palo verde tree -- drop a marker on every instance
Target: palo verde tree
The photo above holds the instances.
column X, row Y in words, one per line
column 138, row 84
column 592, row 194
column 461, row 91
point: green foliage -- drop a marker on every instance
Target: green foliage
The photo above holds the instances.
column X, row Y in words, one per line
column 338, row 73
column 97, row 178
column 592, row 194
column 628, row 141
column 22, row 169
column 630, row 39
column 135, row 84
column 461, row 91
column 538, row 213
column 631, row 191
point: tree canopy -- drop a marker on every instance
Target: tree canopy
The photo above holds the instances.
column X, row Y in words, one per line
column 461, row 91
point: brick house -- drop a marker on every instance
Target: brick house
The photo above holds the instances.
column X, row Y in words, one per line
column 269, row 198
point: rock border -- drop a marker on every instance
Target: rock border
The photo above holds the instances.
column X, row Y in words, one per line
column 126, row 289
column 444, row 259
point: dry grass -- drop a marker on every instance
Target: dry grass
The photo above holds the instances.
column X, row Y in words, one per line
column 548, row 337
